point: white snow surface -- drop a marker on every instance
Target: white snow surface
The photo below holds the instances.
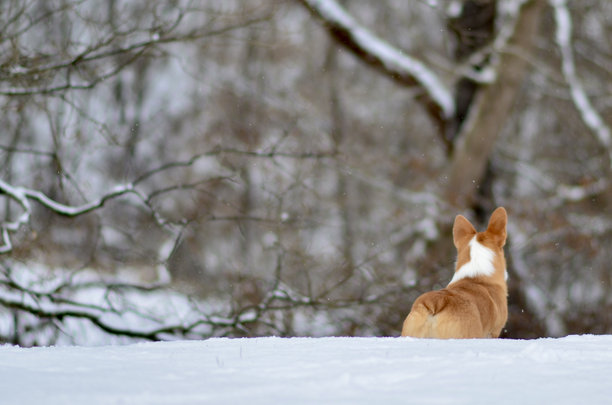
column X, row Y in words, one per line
column 569, row 370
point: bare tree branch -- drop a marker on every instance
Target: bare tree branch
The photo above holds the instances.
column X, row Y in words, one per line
column 403, row 68
column 94, row 53
column 589, row 114
column 23, row 195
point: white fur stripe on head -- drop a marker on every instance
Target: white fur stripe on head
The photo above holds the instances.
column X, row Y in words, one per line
column 480, row 264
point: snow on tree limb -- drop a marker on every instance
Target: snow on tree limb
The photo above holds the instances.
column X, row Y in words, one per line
column 382, row 55
column 22, row 195
column 495, row 102
column 147, row 311
column 589, row 115
column 122, row 317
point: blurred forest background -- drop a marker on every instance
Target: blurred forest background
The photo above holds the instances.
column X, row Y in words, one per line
column 186, row 169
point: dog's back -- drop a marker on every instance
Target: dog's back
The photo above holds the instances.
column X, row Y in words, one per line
column 467, row 309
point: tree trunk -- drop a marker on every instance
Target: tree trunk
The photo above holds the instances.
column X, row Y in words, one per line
column 491, row 110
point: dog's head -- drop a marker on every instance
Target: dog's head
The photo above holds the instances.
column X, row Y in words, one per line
column 480, row 253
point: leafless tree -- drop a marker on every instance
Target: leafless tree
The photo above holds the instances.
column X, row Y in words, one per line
column 185, row 169
column 489, row 70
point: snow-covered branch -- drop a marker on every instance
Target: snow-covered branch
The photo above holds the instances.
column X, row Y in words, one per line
column 558, row 193
column 382, row 55
column 589, row 114
column 23, row 195
column 144, row 311
column 116, row 309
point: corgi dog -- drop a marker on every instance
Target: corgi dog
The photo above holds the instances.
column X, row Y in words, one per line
column 474, row 304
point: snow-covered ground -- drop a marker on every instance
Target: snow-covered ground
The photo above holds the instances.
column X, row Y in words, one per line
column 570, row 370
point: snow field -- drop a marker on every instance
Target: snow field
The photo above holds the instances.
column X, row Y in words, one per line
column 570, row 370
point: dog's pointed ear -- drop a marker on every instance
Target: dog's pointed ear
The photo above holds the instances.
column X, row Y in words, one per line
column 462, row 229
column 497, row 225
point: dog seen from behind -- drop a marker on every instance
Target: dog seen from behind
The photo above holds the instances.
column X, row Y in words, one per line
column 474, row 304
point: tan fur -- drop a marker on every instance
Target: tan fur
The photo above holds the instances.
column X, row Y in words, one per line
column 473, row 307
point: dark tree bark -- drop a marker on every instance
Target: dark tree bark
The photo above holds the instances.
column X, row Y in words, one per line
column 491, row 109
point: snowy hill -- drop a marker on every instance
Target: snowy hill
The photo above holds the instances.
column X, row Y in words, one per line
column 570, row 370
